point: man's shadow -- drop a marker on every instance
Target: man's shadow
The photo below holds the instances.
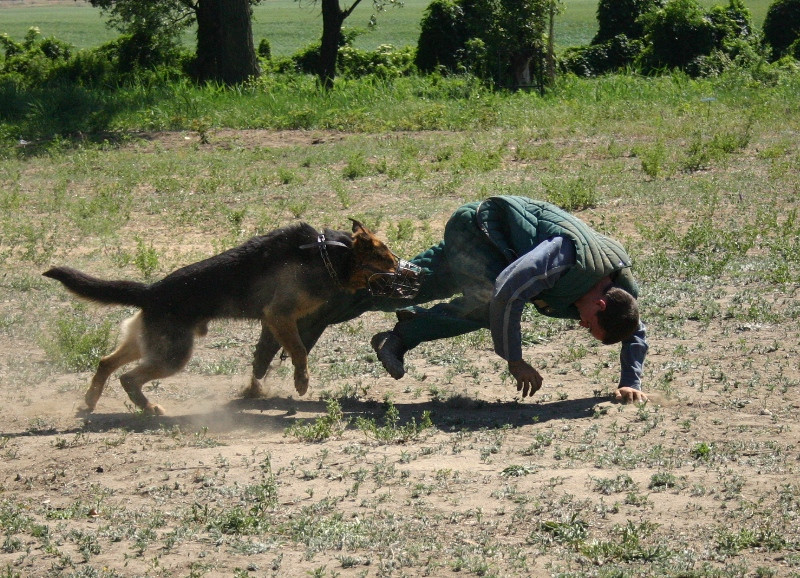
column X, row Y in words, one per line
column 275, row 414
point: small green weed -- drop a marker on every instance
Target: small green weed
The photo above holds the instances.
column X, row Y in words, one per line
column 516, row 471
column 572, row 532
column 607, row 486
column 77, row 343
column 357, row 166
column 653, row 159
column 332, row 424
column 572, row 194
column 145, row 258
column 662, row 480
column 702, row 451
column 392, row 431
column 629, row 547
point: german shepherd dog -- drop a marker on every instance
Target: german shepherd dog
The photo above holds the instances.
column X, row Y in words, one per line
column 277, row 278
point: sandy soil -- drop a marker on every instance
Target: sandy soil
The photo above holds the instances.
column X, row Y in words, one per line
column 117, row 493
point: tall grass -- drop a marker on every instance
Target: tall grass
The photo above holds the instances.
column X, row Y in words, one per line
column 610, row 105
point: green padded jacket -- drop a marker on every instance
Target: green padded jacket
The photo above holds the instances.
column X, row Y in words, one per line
column 515, row 225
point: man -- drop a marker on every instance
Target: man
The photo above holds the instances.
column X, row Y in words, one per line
column 497, row 256
column 509, row 251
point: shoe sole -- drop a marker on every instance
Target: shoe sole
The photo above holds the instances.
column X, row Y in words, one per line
column 390, row 366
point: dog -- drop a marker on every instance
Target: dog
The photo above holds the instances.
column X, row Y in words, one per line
column 276, row 278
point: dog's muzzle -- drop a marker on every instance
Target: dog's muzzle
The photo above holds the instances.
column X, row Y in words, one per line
column 403, row 283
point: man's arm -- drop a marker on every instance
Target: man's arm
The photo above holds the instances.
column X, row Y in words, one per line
column 631, row 360
column 520, row 282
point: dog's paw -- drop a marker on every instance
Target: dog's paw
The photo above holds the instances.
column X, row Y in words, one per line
column 254, row 390
column 154, row 409
column 301, row 379
column 84, row 411
column 301, row 386
column 89, row 402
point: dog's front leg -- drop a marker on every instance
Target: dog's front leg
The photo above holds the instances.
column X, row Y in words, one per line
column 266, row 349
column 284, row 329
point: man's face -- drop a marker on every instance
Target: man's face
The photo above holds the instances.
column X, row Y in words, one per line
column 589, row 320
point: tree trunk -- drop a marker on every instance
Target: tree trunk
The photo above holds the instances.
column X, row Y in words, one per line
column 551, row 53
column 225, row 51
column 521, row 65
column 332, row 20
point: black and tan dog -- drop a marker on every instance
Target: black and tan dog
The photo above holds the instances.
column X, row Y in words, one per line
column 277, row 278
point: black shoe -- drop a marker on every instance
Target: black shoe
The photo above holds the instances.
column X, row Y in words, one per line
column 390, row 351
column 405, row 314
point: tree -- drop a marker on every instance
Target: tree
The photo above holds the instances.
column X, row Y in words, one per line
column 441, row 39
column 225, row 51
column 518, row 38
column 504, row 40
column 333, row 17
column 782, row 26
column 676, row 34
column 615, row 17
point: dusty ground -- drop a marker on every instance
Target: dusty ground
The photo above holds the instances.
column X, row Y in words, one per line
column 702, row 480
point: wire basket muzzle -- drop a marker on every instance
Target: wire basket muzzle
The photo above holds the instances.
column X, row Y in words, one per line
column 403, row 283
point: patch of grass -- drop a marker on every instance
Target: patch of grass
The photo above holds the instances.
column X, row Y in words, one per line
column 572, row 532
column 608, row 486
column 332, row 424
column 392, row 431
column 572, row 195
column 76, row 342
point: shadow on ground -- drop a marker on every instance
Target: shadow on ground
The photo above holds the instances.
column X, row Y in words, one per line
column 278, row 413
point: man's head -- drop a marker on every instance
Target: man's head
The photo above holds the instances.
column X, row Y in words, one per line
column 620, row 318
column 610, row 313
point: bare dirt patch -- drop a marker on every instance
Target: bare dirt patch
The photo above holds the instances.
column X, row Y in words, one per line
column 702, row 480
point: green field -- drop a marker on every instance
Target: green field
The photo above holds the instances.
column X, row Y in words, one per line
column 290, row 25
column 447, row 472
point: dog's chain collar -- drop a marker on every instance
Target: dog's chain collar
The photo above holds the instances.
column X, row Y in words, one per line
column 322, row 244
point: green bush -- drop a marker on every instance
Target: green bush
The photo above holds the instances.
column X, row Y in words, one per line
column 31, row 62
column 615, row 17
column 731, row 23
column 615, row 54
column 782, row 27
column 384, row 62
column 441, row 40
column 682, row 35
column 264, row 49
column 41, row 62
column 676, row 34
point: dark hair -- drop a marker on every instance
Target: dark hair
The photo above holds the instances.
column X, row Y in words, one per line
column 620, row 319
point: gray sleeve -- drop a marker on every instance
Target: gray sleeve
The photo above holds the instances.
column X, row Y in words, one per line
column 520, row 282
column 631, row 359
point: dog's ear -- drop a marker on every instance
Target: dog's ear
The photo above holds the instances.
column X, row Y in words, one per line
column 359, row 228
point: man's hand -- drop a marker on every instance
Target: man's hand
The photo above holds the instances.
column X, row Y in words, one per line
column 628, row 395
column 528, row 379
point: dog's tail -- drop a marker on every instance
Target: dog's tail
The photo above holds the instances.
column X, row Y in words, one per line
column 100, row 290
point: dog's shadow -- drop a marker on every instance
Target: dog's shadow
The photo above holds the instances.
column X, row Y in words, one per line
column 278, row 413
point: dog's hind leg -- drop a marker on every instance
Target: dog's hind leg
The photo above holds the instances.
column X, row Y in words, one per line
column 167, row 350
column 132, row 383
column 266, row 349
column 127, row 351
